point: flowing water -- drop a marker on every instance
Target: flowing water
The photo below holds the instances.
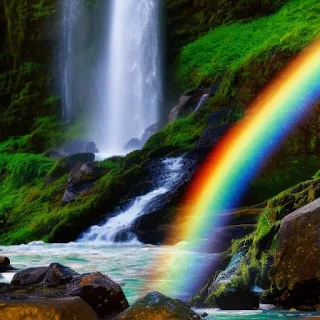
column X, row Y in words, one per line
column 202, row 100
column 70, row 16
column 171, row 175
column 128, row 265
column 129, row 84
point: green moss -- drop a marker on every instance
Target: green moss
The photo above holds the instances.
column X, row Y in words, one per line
column 243, row 44
column 182, row 133
column 188, row 20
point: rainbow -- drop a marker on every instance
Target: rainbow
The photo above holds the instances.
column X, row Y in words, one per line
column 233, row 163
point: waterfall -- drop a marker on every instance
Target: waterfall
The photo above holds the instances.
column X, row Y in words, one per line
column 202, row 100
column 120, row 223
column 71, row 13
column 129, row 82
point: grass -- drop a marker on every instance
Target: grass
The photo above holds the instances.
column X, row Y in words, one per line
column 182, row 133
column 31, row 190
column 229, row 47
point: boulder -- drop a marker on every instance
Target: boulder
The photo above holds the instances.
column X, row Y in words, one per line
column 58, row 309
column 133, row 144
column 55, row 274
column 81, row 178
column 175, row 111
column 237, row 300
column 295, row 273
column 157, row 306
column 187, row 103
column 4, row 264
column 29, row 276
column 210, row 136
column 99, row 291
column 79, row 146
column 224, row 291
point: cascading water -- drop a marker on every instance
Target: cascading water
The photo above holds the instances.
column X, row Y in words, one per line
column 71, row 13
column 202, row 100
column 129, row 82
column 172, row 174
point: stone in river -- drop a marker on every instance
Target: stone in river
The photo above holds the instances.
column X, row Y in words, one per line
column 51, row 309
column 157, row 306
column 5, row 264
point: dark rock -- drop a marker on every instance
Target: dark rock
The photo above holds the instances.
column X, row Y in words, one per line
column 237, row 300
column 295, row 273
column 211, row 136
column 29, row 276
column 81, row 178
column 157, row 306
column 80, row 158
column 187, row 104
column 55, row 274
column 40, row 309
column 79, row 146
column 175, row 111
column 133, row 144
column 58, row 275
column 99, row 291
column 4, row 264
column 150, row 131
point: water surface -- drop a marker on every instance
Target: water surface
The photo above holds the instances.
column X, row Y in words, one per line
column 128, row 265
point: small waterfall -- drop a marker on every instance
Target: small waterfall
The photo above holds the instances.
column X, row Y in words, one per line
column 172, row 174
column 129, row 81
column 202, row 100
column 71, row 13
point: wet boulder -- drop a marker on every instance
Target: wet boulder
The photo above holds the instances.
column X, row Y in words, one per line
column 29, row 276
column 58, row 309
column 99, row 291
column 5, row 264
column 157, row 306
column 55, row 274
column 56, row 281
column 237, row 300
column 295, row 274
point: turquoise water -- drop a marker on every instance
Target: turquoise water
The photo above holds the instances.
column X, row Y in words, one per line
column 257, row 315
column 127, row 265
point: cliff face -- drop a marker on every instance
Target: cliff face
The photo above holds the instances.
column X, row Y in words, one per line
column 26, row 56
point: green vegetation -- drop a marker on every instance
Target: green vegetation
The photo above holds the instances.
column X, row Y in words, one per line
column 241, row 45
column 182, row 133
column 31, row 190
column 188, row 20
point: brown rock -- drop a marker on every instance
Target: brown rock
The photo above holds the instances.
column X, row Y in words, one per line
column 155, row 306
column 100, row 292
column 296, row 273
column 97, row 290
column 29, row 276
column 55, row 274
column 4, row 264
column 52, row 309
